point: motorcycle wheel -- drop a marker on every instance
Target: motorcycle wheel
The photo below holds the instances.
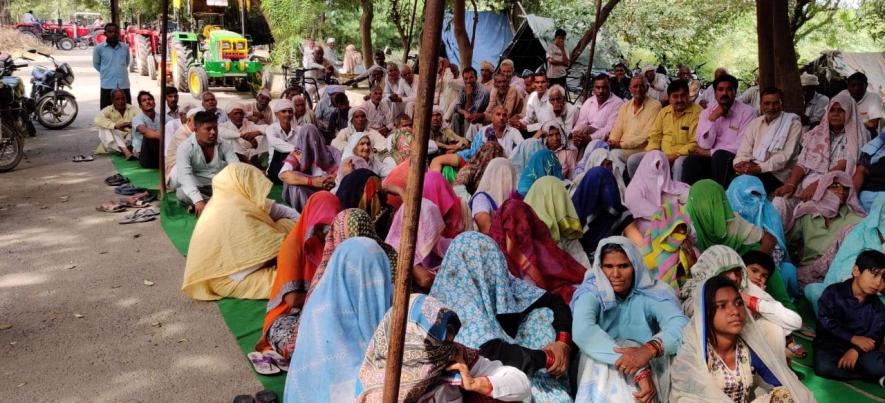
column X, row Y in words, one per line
column 57, row 112
column 12, row 148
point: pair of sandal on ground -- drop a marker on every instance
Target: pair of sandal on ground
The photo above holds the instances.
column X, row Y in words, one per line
column 265, row 396
column 138, row 200
column 268, row 363
column 140, row 215
column 83, row 158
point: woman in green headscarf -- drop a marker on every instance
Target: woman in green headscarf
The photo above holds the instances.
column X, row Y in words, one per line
column 714, row 223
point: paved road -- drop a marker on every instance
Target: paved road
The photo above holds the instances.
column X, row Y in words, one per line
column 60, row 258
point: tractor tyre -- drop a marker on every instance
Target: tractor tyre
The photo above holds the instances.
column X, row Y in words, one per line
column 66, row 44
column 142, row 49
column 28, row 32
column 243, row 85
column 152, row 67
column 182, row 57
column 198, row 81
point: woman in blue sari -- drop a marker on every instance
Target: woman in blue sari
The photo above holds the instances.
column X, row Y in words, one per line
column 867, row 234
column 505, row 317
column 543, row 163
column 598, row 203
column 627, row 326
column 747, row 198
column 338, row 322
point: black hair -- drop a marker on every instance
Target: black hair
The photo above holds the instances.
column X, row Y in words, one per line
column 712, row 286
column 171, row 90
column 870, row 260
column 611, row 248
column 726, row 78
column 858, row 77
column 622, row 65
column 677, row 85
column 559, row 32
column 761, row 258
column 771, row 91
column 468, row 69
column 204, row 117
column 111, row 24
column 339, row 97
column 600, row 76
column 142, row 93
column 401, row 117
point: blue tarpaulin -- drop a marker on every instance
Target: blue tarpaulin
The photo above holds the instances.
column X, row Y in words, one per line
column 493, row 33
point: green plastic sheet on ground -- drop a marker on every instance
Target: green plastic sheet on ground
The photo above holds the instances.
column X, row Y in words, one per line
column 138, row 176
column 244, row 318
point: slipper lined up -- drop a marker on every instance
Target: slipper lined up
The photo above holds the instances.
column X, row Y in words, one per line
column 116, row 180
column 83, row 158
column 140, row 215
column 128, row 190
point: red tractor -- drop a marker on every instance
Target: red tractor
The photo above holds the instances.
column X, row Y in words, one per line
column 144, row 44
column 49, row 33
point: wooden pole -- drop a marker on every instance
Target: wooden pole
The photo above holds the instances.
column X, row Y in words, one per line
column 411, row 28
column 115, row 12
column 589, row 74
column 164, row 43
column 432, row 36
column 764, row 31
column 786, row 71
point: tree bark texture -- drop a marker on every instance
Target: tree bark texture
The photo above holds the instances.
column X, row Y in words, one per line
column 366, row 31
column 588, row 36
column 465, row 48
column 777, row 56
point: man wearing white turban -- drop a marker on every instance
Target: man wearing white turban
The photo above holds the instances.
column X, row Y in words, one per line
column 815, row 102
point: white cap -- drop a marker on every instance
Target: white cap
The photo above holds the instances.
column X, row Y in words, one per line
column 281, row 104
column 809, row 80
column 194, row 111
column 330, row 40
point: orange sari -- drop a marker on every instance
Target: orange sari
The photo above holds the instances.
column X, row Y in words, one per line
column 300, row 254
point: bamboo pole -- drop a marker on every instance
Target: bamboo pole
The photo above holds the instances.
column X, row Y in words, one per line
column 164, row 43
column 588, row 76
column 430, row 41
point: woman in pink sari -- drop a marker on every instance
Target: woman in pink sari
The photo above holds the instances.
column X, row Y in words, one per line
column 430, row 245
column 438, row 190
column 651, row 188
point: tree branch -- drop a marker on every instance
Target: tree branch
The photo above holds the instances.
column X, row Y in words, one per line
column 585, row 39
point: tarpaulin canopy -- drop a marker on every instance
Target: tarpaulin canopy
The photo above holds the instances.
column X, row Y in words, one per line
column 834, row 66
column 528, row 50
column 493, row 33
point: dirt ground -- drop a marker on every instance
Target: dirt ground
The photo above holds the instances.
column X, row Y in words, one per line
column 84, row 326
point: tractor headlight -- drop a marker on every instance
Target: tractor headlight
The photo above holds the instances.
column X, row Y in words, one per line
column 226, row 45
column 241, row 45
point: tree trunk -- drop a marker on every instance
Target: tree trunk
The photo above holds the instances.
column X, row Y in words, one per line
column 776, row 38
column 366, row 31
column 465, row 48
column 585, row 39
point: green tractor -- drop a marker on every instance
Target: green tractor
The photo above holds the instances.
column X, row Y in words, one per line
column 216, row 58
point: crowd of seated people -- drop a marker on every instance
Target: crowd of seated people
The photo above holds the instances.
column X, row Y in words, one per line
column 639, row 245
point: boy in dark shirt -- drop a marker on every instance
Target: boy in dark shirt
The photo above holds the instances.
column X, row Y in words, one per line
column 851, row 324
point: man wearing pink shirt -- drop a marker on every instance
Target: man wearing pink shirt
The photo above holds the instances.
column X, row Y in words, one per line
column 719, row 133
column 598, row 114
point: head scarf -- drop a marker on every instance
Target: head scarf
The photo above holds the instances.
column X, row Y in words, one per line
column 342, row 315
column 815, row 155
column 563, row 138
column 551, row 203
column 644, row 195
column 592, row 159
column 235, row 231
column 350, row 223
column 430, row 229
column 438, row 190
column 710, row 212
column 351, row 113
column 352, row 143
column 524, row 152
column 401, row 144
column 598, row 204
column 362, row 189
column 314, row 151
column 665, row 249
column 747, row 197
column 358, row 163
column 690, row 374
column 597, row 284
column 234, row 105
column 714, row 261
column 865, row 235
column 470, row 174
column 426, row 351
column 299, row 256
column 826, row 204
column 542, row 163
column 398, row 177
column 281, row 104
column 498, row 180
column 475, row 282
column 531, row 253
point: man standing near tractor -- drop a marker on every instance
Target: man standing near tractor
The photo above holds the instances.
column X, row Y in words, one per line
column 111, row 60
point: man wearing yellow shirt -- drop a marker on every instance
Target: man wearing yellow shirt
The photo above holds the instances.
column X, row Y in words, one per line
column 629, row 136
column 673, row 131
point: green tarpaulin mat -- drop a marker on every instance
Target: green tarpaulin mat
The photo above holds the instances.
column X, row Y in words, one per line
column 138, row 176
column 244, row 318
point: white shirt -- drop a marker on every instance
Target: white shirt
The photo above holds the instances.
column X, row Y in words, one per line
column 533, row 107
column 658, row 88
column 279, row 140
column 870, row 107
column 566, row 120
column 816, row 107
column 29, row 18
column 509, row 384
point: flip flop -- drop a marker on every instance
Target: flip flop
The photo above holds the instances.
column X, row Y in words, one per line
column 278, row 360
column 78, row 158
column 84, row 158
column 137, row 219
column 146, row 212
column 111, row 207
column 127, row 190
column 262, row 364
column 267, row 396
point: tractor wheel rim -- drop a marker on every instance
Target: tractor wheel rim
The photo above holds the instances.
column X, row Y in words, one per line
column 195, row 83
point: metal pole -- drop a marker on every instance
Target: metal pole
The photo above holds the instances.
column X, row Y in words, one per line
column 243, row 17
column 164, row 42
column 430, row 42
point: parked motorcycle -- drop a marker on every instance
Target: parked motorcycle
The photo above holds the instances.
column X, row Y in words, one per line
column 15, row 112
column 55, row 107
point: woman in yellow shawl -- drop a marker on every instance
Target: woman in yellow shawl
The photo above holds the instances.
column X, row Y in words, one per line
column 550, row 201
column 235, row 243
